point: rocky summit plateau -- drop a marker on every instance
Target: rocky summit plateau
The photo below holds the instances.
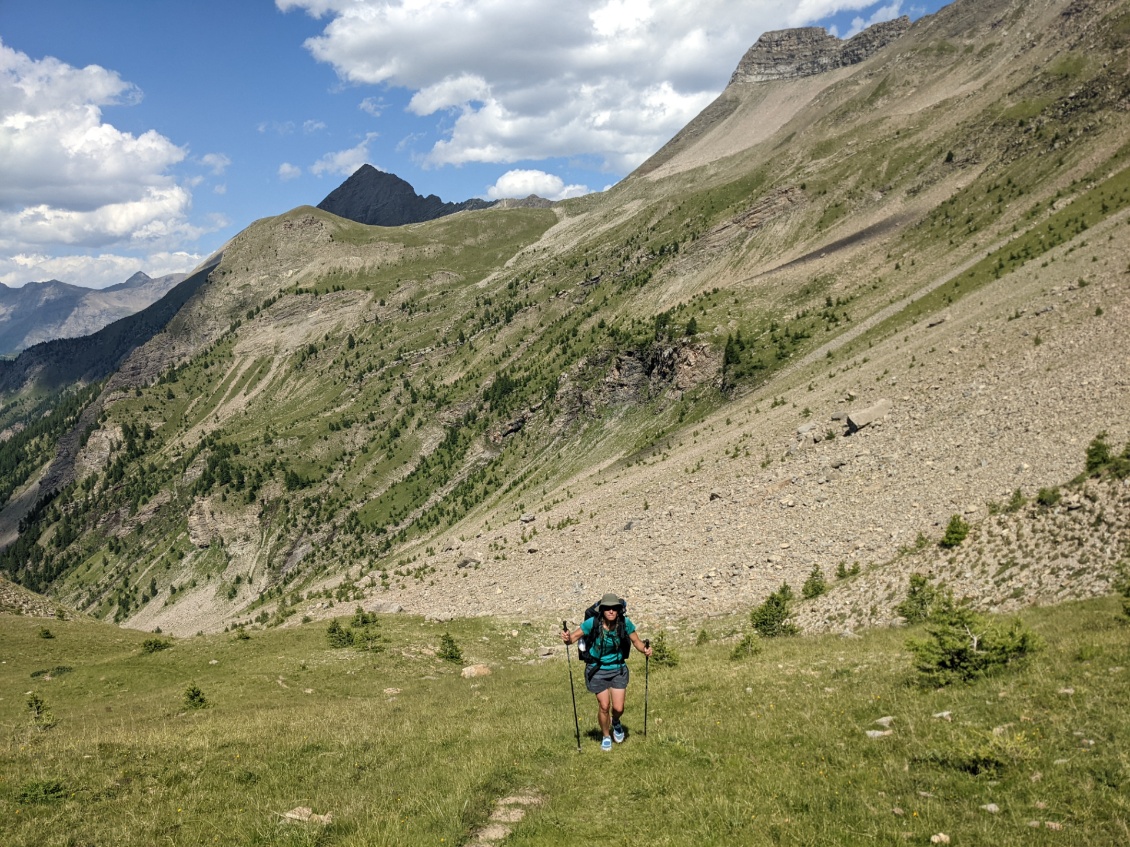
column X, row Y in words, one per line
column 873, row 298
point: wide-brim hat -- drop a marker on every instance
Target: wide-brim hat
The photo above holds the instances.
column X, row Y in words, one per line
column 611, row 601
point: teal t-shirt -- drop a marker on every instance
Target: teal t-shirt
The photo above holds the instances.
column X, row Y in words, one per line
column 606, row 645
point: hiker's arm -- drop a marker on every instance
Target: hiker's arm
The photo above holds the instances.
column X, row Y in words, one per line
column 639, row 645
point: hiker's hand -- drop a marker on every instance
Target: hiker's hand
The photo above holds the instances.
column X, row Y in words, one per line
column 647, row 650
column 566, row 637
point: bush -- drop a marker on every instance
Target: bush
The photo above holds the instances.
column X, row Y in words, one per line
column 41, row 717
column 155, row 645
column 956, row 531
column 662, row 653
column 771, row 618
column 194, row 698
column 815, row 585
column 920, row 597
column 962, row 646
column 702, row 638
column 1098, row 454
column 44, row 632
column 1101, row 459
column 448, row 650
column 1016, row 502
column 749, row 646
column 1048, row 497
column 338, row 635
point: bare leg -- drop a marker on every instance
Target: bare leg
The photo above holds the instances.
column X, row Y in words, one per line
column 603, row 712
column 617, row 704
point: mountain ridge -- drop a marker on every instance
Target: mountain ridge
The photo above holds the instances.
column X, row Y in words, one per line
column 377, row 198
column 44, row 311
column 809, row 333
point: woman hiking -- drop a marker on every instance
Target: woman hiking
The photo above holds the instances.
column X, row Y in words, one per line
column 606, row 674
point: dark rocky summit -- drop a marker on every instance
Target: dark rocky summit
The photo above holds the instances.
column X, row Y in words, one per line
column 382, row 199
column 807, row 51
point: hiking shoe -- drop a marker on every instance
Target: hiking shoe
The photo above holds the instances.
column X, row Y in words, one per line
column 618, row 732
column 606, row 743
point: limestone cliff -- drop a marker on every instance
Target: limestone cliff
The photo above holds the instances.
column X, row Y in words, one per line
column 807, row 51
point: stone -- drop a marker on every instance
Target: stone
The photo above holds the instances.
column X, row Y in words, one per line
column 857, row 420
column 473, row 671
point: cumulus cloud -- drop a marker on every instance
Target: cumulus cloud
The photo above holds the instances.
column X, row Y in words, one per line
column 523, row 183
column 883, row 13
column 287, row 171
column 518, row 80
column 313, row 126
column 344, row 162
column 92, row 271
column 68, row 177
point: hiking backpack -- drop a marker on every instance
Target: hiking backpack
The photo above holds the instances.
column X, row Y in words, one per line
column 583, row 649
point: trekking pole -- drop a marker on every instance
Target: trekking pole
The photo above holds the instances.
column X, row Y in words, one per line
column 569, row 661
column 646, row 674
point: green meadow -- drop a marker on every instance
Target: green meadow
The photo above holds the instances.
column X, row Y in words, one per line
column 118, row 737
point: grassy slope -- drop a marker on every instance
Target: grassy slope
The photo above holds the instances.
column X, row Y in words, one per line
column 401, row 750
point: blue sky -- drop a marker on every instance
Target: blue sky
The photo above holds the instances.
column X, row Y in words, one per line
column 142, row 134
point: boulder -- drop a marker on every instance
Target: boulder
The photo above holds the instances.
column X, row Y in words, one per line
column 860, row 418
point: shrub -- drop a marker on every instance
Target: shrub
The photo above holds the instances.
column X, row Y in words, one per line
column 771, row 618
column 749, row 646
column 1016, row 502
column 448, row 650
column 662, row 653
column 815, row 585
column 155, row 645
column 41, row 716
column 1098, row 454
column 194, row 698
column 956, row 531
column 1048, row 497
column 702, row 638
column 962, row 646
column 44, row 632
column 920, row 597
column 1101, row 458
column 338, row 635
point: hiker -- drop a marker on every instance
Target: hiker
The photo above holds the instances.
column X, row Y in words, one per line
column 610, row 636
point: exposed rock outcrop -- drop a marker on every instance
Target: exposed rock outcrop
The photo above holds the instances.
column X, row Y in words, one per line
column 377, row 198
column 807, row 51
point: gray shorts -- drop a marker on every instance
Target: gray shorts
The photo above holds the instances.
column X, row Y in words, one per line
column 600, row 680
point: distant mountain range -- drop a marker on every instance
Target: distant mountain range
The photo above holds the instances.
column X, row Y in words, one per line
column 43, row 311
column 377, row 198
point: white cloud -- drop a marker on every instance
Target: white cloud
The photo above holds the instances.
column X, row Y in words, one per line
column 216, row 162
column 374, row 106
column 313, row 126
column 69, row 178
column 883, row 13
column 276, row 127
column 523, row 183
column 526, row 79
column 92, row 271
column 287, row 171
column 344, row 162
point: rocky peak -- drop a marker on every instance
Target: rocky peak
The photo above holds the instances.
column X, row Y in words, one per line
column 807, row 51
column 377, row 198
